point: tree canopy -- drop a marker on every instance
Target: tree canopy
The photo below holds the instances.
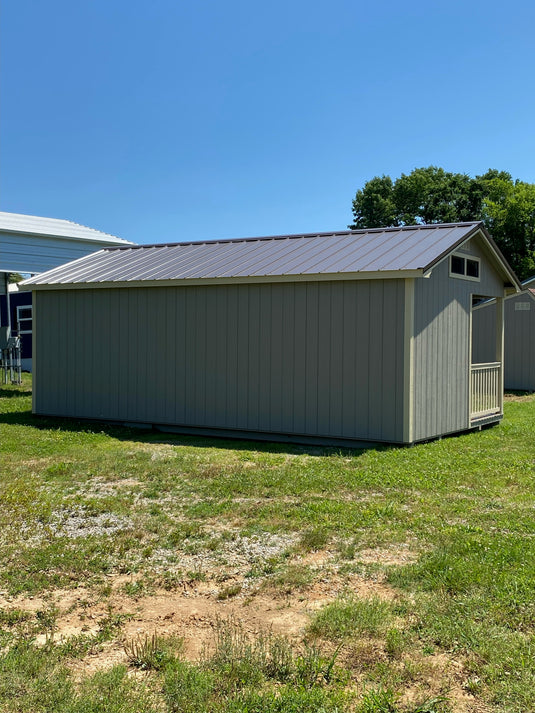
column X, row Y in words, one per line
column 433, row 195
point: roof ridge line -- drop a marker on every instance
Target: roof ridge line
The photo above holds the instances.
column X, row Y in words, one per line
column 294, row 236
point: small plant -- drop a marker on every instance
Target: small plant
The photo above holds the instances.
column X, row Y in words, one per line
column 111, row 624
column 347, row 549
column 245, row 661
column 395, row 643
column 12, row 617
column 313, row 540
column 46, row 619
column 235, row 657
column 380, row 701
column 134, row 589
column 170, row 580
column 294, row 577
column 184, row 531
column 231, row 591
column 430, row 705
column 313, row 668
column 146, row 653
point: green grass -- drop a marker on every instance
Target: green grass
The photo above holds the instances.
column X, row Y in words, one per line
column 350, row 617
column 82, row 501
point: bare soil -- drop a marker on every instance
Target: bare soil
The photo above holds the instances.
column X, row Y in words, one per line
column 191, row 610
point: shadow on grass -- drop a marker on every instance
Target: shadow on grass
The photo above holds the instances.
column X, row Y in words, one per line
column 155, row 435
column 11, row 393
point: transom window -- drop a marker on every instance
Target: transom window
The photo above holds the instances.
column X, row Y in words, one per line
column 467, row 267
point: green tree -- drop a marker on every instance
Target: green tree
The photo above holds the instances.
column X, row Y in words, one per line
column 433, row 195
column 14, row 277
column 374, row 205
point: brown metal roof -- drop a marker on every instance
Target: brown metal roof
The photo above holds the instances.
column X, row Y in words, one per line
column 402, row 249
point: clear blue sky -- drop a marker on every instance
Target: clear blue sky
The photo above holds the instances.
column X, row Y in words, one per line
column 168, row 120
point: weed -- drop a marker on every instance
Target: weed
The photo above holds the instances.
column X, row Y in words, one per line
column 245, row 661
column 293, row 577
column 46, row 619
column 145, row 653
column 13, row 617
column 313, row 667
column 231, row 591
column 170, row 580
column 347, row 549
column 184, row 531
column 379, row 701
column 313, row 539
column 135, row 589
column 395, row 643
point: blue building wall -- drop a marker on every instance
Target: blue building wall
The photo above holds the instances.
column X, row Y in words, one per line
column 18, row 299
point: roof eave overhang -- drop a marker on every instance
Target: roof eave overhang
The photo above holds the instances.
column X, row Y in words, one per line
column 239, row 280
column 511, row 282
column 111, row 241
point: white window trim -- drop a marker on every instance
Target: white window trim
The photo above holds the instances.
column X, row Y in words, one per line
column 465, row 257
column 20, row 319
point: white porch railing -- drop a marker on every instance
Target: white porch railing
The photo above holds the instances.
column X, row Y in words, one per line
column 485, row 385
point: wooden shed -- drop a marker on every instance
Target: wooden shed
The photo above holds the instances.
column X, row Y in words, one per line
column 519, row 336
column 337, row 338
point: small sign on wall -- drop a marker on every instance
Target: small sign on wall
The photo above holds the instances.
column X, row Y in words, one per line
column 522, row 306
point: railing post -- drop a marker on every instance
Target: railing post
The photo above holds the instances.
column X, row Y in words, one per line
column 486, row 398
column 500, row 346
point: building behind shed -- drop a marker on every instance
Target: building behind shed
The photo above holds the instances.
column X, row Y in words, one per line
column 519, row 331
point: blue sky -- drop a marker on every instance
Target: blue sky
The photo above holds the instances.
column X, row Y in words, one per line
column 165, row 121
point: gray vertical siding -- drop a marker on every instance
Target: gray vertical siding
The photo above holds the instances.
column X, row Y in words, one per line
column 519, row 359
column 310, row 358
column 442, row 345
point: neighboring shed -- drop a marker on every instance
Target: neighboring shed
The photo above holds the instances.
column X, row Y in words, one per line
column 519, row 331
column 31, row 244
column 345, row 337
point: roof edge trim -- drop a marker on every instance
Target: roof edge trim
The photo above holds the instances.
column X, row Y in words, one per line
column 499, row 258
column 27, row 285
column 106, row 239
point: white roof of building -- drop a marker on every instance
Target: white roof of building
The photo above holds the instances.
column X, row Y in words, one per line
column 56, row 228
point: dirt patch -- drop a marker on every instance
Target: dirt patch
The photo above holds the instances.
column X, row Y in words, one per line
column 190, row 612
column 192, row 609
column 396, row 556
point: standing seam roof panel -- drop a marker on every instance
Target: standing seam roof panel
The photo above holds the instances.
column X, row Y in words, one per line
column 108, row 262
column 263, row 262
column 132, row 264
column 243, row 261
column 404, row 252
column 213, row 260
column 391, row 249
column 298, row 265
column 361, row 249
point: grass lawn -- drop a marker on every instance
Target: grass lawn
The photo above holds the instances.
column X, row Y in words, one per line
column 142, row 571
